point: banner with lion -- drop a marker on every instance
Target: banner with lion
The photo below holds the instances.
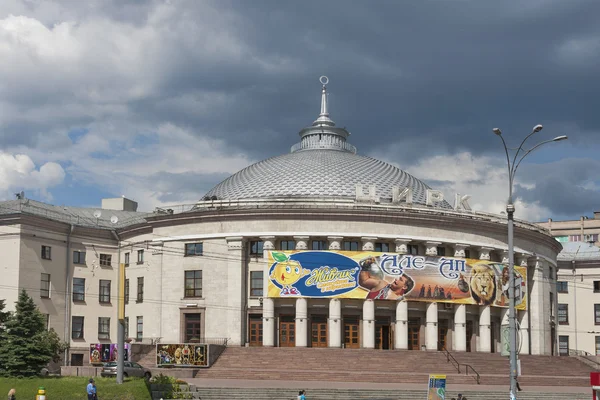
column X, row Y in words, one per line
column 392, row 276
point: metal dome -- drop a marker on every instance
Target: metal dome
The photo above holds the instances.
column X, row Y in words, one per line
column 323, row 164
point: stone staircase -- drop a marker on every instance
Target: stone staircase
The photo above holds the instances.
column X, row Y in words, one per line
column 399, row 366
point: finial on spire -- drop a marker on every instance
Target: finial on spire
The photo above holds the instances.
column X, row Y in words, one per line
column 324, row 115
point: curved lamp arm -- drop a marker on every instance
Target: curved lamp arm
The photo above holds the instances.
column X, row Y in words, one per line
column 521, row 148
column 510, row 174
column 532, row 149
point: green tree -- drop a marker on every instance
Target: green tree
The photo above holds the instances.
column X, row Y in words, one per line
column 25, row 345
column 3, row 315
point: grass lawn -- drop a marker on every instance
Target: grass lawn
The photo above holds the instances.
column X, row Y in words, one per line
column 73, row 388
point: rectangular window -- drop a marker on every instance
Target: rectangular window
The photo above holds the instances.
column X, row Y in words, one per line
column 126, row 291
column 563, row 314
column 78, row 257
column 562, row 239
column 192, row 328
column 287, row 245
column 126, row 322
column 563, row 345
column 78, row 289
column 319, row 245
column 126, row 259
column 193, row 283
column 140, row 289
column 45, row 286
column 596, row 286
column 103, row 327
column 105, row 260
column 598, row 345
column 382, row 247
column 256, row 283
column 551, row 304
column 139, row 328
column 441, row 251
column 412, row 249
column 140, row 255
column 46, row 252
column 256, row 248
column 77, row 327
column 104, row 291
column 551, row 277
column 562, row 287
column 193, row 249
column 597, row 314
column 348, row 245
column 574, row 238
column 467, row 253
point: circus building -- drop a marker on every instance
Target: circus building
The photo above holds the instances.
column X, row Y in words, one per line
column 345, row 251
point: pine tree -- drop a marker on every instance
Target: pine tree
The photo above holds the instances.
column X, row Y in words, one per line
column 25, row 345
column 3, row 315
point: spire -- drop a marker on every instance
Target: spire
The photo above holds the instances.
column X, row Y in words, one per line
column 324, row 115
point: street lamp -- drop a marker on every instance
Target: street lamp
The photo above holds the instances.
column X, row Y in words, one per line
column 510, row 210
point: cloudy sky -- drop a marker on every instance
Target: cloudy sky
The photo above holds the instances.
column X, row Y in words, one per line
column 160, row 100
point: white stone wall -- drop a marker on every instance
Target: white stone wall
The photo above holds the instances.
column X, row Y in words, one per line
column 10, row 245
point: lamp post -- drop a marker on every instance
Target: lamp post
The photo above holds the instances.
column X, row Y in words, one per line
column 513, row 165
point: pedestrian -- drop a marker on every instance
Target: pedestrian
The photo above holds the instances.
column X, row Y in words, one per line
column 301, row 395
column 91, row 390
column 460, row 397
column 12, row 394
column 518, row 386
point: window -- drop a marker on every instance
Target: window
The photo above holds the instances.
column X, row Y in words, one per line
column 574, row 238
column 139, row 328
column 551, row 274
column 256, row 248
column 467, row 253
column 77, row 327
column 192, row 328
column 563, row 345
column 382, row 247
column 319, row 245
column 126, row 259
column 45, row 286
column 140, row 259
column 46, row 252
column 256, row 283
column 349, row 245
column 596, row 286
column 193, row 249
column 104, row 291
column 76, row 360
column 78, row 289
column 598, row 345
column 105, row 260
column 193, row 283
column 126, row 291
column 562, row 239
column 562, row 287
column 126, row 322
column 441, row 251
column 287, row 245
column 412, row 249
column 140, row 291
column 563, row 314
column 79, row 257
column 103, row 327
column 597, row 314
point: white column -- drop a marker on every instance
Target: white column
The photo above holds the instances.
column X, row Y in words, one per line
column 301, row 242
column 431, row 250
column 368, row 243
column 539, row 307
column 401, row 332
column 335, row 242
column 459, row 250
column 504, row 256
column 460, row 327
column 402, row 245
column 368, row 324
column 431, row 327
column 301, row 322
column 235, row 313
column 335, row 323
column 268, row 322
column 484, row 253
column 485, row 335
column 523, row 317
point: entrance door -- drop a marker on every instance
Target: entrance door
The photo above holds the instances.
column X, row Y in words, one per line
column 351, row 332
column 382, row 334
column 442, row 334
column 287, row 331
column 256, row 330
column 493, row 337
column 318, row 331
column 414, row 334
column 469, row 335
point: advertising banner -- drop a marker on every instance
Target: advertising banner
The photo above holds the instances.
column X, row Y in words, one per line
column 437, row 387
column 101, row 353
column 182, row 355
column 390, row 276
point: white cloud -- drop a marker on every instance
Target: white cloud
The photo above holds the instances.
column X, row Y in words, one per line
column 18, row 172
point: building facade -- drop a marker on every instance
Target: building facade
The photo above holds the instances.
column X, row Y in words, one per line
column 200, row 272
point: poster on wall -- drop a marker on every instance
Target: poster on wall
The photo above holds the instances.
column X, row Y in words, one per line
column 182, row 355
column 437, row 387
column 101, row 353
column 390, row 276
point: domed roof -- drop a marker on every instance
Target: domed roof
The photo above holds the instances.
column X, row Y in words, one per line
column 323, row 164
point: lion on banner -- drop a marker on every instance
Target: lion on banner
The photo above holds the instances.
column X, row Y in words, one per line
column 483, row 284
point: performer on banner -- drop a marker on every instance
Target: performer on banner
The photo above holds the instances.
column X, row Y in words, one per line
column 380, row 289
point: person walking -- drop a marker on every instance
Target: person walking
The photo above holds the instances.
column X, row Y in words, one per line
column 91, row 390
column 301, row 395
column 12, row 394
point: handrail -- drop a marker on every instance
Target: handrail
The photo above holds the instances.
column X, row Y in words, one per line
column 449, row 356
column 467, row 366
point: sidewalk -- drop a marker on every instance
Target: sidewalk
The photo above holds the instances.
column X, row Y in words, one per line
column 280, row 384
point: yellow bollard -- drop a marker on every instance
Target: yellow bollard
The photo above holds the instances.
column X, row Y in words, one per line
column 41, row 394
